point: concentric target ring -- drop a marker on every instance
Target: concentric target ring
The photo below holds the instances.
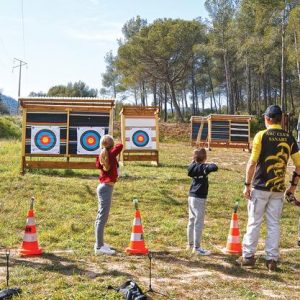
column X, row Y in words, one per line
column 45, row 139
column 90, row 140
column 140, row 138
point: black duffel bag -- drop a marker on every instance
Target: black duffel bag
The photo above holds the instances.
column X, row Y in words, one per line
column 130, row 290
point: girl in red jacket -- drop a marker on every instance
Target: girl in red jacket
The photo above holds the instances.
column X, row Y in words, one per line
column 108, row 165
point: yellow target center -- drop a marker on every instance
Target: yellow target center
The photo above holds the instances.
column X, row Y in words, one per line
column 90, row 140
column 45, row 140
column 140, row 138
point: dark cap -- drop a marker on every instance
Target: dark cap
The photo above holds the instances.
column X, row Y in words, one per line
column 272, row 111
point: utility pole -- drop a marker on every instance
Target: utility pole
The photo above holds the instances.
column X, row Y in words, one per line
column 21, row 64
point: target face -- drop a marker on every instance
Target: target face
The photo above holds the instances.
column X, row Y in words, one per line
column 140, row 138
column 45, row 139
column 90, row 140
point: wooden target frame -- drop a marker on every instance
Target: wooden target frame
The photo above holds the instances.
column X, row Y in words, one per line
column 147, row 118
column 229, row 131
column 69, row 114
column 199, row 131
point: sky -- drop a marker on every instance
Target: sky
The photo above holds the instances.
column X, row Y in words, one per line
column 66, row 40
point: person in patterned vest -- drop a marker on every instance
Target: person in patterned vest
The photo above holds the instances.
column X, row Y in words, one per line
column 265, row 186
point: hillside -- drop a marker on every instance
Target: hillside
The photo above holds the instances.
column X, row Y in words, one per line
column 66, row 207
column 10, row 104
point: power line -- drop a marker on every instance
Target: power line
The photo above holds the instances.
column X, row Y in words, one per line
column 23, row 27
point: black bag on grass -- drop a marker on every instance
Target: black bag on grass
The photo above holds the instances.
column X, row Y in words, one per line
column 130, row 290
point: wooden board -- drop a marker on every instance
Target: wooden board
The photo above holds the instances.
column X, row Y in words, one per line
column 199, row 131
column 229, row 131
column 67, row 114
column 135, row 121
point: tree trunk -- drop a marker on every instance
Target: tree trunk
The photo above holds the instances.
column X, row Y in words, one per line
column 185, row 99
column 282, row 99
column 248, row 83
column 291, row 95
column 228, row 83
column 212, row 88
column 166, row 104
column 297, row 55
column 174, row 102
column 135, row 96
column 154, row 91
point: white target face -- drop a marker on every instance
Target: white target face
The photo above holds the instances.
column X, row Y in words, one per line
column 140, row 138
column 88, row 139
column 45, row 139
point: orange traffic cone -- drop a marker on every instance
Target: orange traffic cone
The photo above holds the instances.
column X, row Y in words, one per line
column 137, row 243
column 30, row 244
column 233, row 241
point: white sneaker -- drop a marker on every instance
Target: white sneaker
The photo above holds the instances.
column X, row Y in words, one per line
column 201, row 251
column 104, row 250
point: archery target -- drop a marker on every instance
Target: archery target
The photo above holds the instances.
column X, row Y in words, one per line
column 141, row 138
column 45, row 139
column 88, row 139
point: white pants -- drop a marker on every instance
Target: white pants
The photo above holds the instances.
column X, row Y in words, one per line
column 196, row 221
column 269, row 203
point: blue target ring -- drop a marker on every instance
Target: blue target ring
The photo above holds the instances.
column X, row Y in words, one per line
column 140, row 138
column 90, row 140
column 45, row 139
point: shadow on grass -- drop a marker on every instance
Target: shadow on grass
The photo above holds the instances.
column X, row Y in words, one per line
column 62, row 173
column 231, row 269
column 169, row 200
column 49, row 262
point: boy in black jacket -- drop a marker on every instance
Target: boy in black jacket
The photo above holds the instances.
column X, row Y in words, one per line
column 199, row 171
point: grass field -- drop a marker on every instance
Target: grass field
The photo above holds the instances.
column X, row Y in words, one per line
column 65, row 211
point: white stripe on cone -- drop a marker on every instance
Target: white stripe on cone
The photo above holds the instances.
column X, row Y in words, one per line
column 30, row 237
column 234, row 224
column 30, row 221
column 233, row 239
column 137, row 221
column 136, row 237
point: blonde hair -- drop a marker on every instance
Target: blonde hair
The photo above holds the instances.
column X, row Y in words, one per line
column 199, row 155
column 106, row 143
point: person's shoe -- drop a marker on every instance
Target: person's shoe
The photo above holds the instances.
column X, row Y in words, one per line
column 201, row 251
column 105, row 250
column 271, row 265
column 246, row 261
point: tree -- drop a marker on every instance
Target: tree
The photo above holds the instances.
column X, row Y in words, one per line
column 3, row 109
column 111, row 78
column 77, row 89
column 162, row 51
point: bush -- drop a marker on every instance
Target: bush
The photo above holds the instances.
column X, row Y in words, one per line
column 257, row 124
column 10, row 127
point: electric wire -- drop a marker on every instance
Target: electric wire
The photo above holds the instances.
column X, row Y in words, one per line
column 23, row 27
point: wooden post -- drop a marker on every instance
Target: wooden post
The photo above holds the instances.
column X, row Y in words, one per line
column 23, row 158
column 68, row 135
column 157, row 138
column 111, row 122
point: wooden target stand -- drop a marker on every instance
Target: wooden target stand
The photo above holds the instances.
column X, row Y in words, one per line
column 229, row 131
column 68, row 114
column 199, row 131
column 221, row 131
column 141, row 119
